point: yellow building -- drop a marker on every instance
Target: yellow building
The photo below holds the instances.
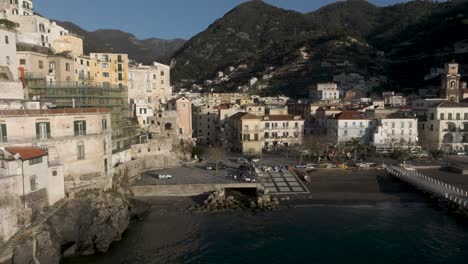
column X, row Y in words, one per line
column 109, row 68
column 244, row 133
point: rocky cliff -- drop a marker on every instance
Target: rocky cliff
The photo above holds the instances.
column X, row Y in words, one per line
column 86, row 225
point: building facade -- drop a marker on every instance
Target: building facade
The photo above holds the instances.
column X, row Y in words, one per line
column 281, row 131
column 110, row 68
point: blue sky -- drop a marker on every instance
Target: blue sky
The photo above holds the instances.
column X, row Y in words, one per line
column 158, row 18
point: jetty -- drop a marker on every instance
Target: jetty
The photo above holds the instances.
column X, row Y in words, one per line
column 430, row 185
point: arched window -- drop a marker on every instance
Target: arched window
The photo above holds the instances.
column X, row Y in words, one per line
column 452, row 84
column 80, row 148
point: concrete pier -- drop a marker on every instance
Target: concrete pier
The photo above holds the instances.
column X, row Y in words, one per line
column 436, row 187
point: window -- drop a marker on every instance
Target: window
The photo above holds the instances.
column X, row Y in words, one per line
column 67, row 67
column 402, row 132
column 410, row 132
column 3, row 133
column 105, row 166
column 354, row 124
column 345, row 124
column 54, row 173
column 119, row 58
column 442, row 117
column 162, row 73
column 393, row 124
column 361, row 124
column 154, row 76
column 345, row 133
column 104, row 124
column 79, row 127
column 33, row 183
column 120, row 76
column 8, row 62
column 80, row 151
column 402, row 125
column 35, row 161
column 105, row 74
column 41, row 64
column 42, row 130
column 465, row 116
column 148, row 87
column 450, row 116
column 22, row 61
column 119, row 67
column 410, row 124
column 458, row 116
column 105, row 65
column 432, row 116
column 7, row 41
column 51, row 66
column 162, row 81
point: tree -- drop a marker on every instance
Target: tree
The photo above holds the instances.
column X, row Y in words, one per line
column 313, row 144
column 216, row 153
column 355, row 145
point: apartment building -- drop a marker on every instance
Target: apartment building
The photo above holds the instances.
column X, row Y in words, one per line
column 69, row 43
column 395, row 133
column 17, row 7
column 80, row 139
column 347, row 126
column 281, row 131
column 446, row 127
column 243, row 133
column 37, row 31
column 110, row 68
column 325, row 92
column 392, row 99
column 83, row 69
column 206, row 123
column 149, row 84
column 183, row 107
column 50, row 68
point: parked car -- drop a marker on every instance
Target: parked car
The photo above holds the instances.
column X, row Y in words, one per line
column 164, row 176
column 266, row 169
column 209, row 168
column 243, row 160
column 248, row 177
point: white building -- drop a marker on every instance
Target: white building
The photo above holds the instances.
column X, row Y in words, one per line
column 446, row 127
column 281, row 131
column 151, row 84
column 347, row 126
column 17, row 7
column 395, row 133
column 38, row 31
column 392, row 99
column 80, row 139
column 325, row 92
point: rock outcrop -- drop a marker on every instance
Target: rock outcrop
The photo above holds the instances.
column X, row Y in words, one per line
column 86, row 225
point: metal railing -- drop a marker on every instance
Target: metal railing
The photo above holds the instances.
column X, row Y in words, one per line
column 432, row 185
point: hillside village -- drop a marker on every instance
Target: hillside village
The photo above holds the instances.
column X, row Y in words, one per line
column 72, row 122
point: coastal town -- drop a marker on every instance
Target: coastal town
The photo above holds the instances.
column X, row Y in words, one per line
column 73, row 123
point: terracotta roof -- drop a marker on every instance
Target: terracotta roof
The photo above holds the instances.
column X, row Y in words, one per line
column 349, row 115
column 27, row 153
column 280, row 117
column 67, row 111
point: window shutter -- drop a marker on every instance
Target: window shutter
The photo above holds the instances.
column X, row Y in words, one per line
column 38, row 132
column 84, row 127
column 75, row 127
column 4, row 133
column 48, row 130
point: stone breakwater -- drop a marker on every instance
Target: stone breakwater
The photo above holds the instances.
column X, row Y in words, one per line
column 219, row 201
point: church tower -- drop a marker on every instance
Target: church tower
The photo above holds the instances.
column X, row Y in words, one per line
column 451, row 89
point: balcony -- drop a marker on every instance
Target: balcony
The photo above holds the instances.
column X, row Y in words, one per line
column 450, row 129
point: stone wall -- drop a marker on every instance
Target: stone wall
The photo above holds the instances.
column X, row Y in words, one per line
column 186, row 189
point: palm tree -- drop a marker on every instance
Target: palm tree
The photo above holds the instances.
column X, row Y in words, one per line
column 355, row 145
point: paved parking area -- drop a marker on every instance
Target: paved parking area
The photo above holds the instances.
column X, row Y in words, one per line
column 282, row 182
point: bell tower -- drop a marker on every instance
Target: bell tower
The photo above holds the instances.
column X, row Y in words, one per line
column 451, row 89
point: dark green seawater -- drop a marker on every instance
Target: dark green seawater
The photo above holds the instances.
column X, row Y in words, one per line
column 408, row 233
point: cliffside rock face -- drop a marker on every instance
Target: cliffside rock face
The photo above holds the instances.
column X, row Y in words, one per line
column 86, row 225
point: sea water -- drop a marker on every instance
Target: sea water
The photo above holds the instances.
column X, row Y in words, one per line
column 392, row 233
